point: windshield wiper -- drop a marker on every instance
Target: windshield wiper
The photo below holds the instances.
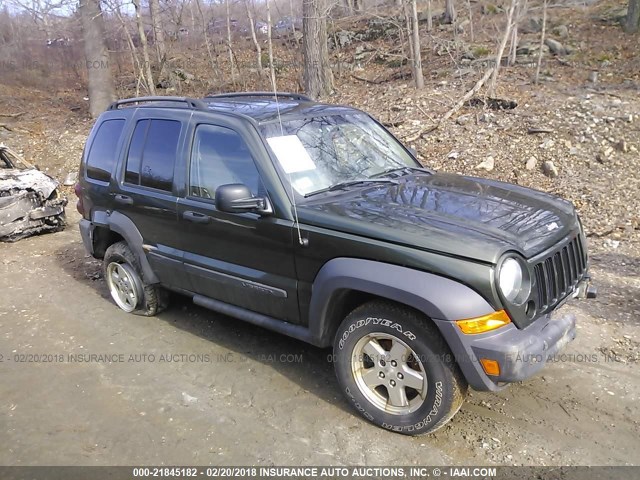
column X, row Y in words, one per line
column 404, row 168
column 351, row 183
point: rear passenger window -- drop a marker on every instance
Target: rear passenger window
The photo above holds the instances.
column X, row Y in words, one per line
column 152, row 154
column 102, row 154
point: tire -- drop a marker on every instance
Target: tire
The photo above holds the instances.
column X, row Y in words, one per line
column 128, row 290
column 383, row 349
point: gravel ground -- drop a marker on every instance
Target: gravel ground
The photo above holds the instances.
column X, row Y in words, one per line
column 194, row 387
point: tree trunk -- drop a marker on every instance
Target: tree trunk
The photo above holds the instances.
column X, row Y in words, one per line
column 429, row 16
column 272, row 68
column 158, row 32
column 100, row 79
column 471, row 34
column 411, row 11
column 151, row 87
column 503, row 44
column 318, row 78
column 256, row 43
column 633, row 17
column 229, row 47
column 514, row 45
column 536, row 79
column 449, row 11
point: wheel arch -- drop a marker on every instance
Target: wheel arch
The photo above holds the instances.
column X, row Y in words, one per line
column 109, row 228
column 343, row 284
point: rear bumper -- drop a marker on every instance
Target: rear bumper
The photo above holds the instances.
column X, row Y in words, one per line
column 520, row 353
column 86, row 232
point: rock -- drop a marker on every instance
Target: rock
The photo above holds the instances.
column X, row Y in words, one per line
column 70, row 179
column 453, row 155
column 531, row 163
column 188, row 399
column 622, row 146
column 555, row 46
column 593, row 77
column 604, row 154
column 486, row 117
column 487, row 164
column 609, row 243
column 183, row 75
column 549, row 169
column 561, row 31
column 548, row 143
column 462, row 25
column 464, row 119
column 531, row 25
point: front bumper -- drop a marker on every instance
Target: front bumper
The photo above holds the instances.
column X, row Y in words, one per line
column 520, row 353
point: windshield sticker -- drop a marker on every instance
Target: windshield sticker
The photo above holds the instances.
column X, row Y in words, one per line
column 291, row 154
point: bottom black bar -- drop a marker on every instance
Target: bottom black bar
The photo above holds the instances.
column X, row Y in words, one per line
column 311, row 472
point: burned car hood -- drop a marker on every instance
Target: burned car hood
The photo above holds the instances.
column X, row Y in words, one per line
column 463, row 216
column 15, row 180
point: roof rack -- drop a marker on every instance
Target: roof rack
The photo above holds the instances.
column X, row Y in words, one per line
column 292, row 96
column 190, row 102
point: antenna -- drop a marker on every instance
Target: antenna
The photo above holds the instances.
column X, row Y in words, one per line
column 303, row 241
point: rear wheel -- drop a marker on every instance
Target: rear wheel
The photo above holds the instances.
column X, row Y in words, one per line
column 126, row 285
column 396, row 369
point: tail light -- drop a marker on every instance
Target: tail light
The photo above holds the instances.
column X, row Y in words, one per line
column 79, row 205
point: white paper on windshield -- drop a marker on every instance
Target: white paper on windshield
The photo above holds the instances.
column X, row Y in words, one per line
column 291, row 154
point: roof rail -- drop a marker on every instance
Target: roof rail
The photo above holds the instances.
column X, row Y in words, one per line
column 190, row 102
column 293, row 96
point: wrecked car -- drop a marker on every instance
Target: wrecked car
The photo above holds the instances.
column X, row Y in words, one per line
column 30, row 202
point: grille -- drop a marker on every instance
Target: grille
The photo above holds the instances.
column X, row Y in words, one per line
column 558, row 274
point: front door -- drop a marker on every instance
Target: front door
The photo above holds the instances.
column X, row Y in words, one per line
column 241, row 259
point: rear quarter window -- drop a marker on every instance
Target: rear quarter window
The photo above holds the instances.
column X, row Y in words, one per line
column 102, row 154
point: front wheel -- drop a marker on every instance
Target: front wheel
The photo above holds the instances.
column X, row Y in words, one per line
column 396, row 369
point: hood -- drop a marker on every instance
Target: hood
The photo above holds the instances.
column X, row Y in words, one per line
column 13, row 179
column 453, row 214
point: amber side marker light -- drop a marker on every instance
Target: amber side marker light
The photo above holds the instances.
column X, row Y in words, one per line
column 490, row 367
column 483, row 324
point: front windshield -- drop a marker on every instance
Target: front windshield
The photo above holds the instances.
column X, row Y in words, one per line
column 320, row 152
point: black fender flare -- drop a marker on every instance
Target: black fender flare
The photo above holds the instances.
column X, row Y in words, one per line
column 438, row 297
column 122, row 225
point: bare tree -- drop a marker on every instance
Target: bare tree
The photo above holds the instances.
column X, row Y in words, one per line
column 471, row 34
column 318, row 78
column 503, row 44
column 411, row 14
column 632, row 23
column 272, row 68
column 542, row 34
column 449, row 11
column 41, row 11
column 229, row 47
column 151, row 87
column 207, row 42
column 158, row 33
column 254, row 38
column 100, row 78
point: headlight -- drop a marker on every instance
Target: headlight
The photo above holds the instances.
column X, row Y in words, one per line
column 511, row 280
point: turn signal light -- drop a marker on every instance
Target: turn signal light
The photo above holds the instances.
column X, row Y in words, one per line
column 483, row 324
column 490, row 367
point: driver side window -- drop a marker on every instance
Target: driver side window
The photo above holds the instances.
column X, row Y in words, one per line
column 220, row 156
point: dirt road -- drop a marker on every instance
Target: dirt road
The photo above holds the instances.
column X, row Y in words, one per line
column 86, row 384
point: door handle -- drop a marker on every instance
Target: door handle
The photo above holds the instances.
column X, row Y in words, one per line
column 124, row 199
column 196, row 217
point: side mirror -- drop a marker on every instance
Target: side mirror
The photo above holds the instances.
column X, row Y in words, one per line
column 237, row 198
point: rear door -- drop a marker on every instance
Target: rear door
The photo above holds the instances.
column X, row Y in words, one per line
column 146, row 192
column 241, row 259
